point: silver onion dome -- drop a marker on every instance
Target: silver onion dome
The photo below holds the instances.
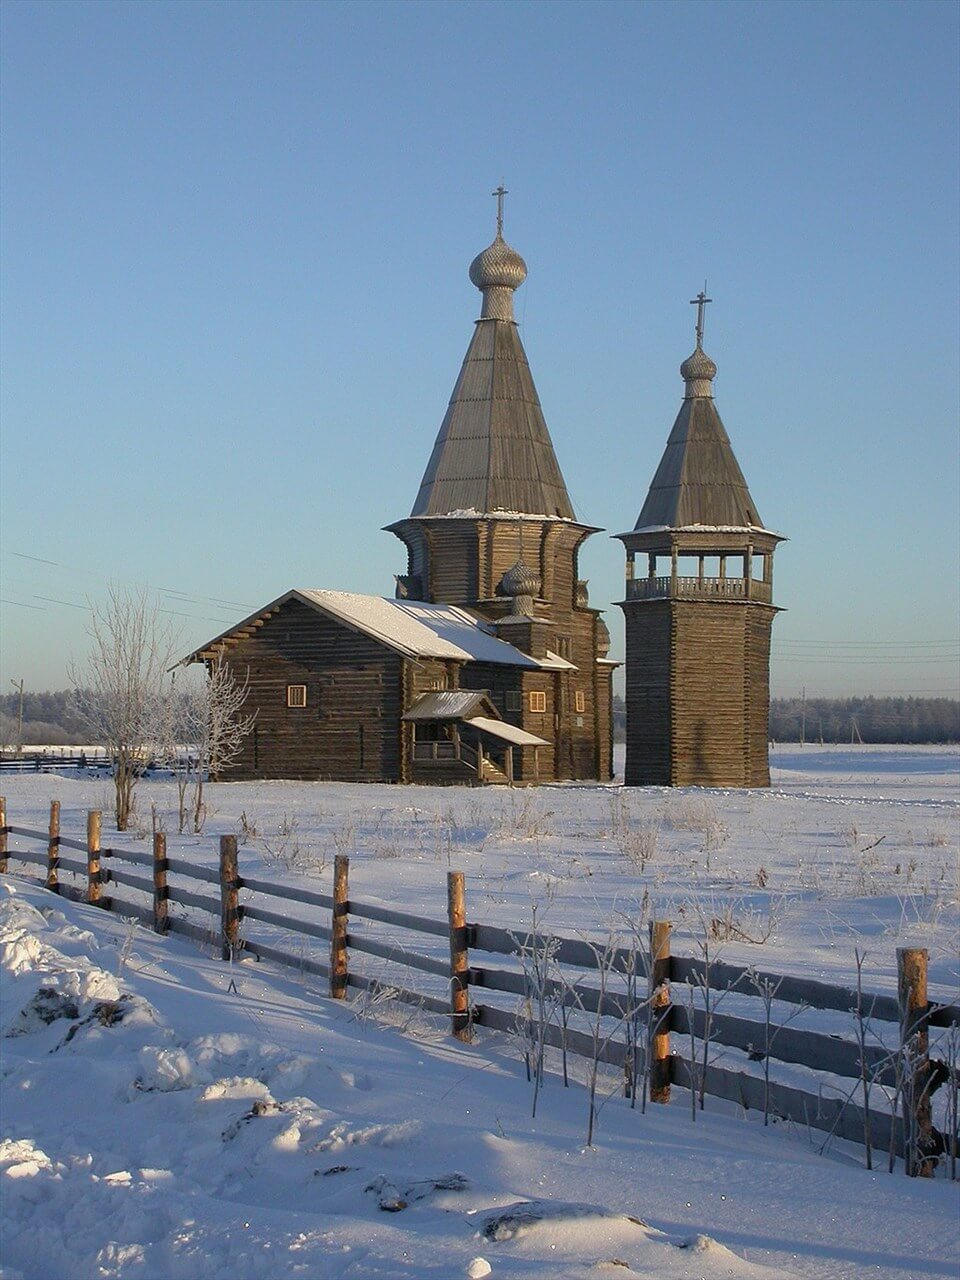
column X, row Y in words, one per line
column 698, row 372
column 499, row 266
column 497, row 272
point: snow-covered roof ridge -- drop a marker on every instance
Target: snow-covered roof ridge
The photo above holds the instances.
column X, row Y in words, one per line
column 417, row 628
column 705, row 528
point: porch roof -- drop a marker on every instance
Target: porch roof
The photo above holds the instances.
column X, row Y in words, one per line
column 508, row 732
column 447, row 704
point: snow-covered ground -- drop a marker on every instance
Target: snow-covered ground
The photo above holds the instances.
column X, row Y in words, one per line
column 164, row 1115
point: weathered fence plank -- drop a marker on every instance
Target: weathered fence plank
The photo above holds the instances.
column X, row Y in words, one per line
column 306, row 896
column 810, row 1049
column 818, row 995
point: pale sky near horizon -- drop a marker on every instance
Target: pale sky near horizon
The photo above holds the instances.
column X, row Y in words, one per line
column 235, row 241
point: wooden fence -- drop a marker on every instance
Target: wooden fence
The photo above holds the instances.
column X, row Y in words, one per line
column 617, row 1009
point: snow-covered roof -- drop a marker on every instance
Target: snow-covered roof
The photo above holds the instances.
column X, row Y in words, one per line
column 508, row 732
column 446, row 704
column 419, row 629
column 704, row 528
column 411, row 627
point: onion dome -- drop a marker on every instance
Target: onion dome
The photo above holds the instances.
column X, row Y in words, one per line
column 498, row 265
column 522, row 584
column 698, row 372
column 698, row 365
column 497, row 272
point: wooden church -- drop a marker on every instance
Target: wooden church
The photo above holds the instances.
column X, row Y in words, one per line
column 489, row 665
column 698, row 608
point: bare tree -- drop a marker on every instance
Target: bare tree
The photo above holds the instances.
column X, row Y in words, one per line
column 217, row 727
column 119, row 688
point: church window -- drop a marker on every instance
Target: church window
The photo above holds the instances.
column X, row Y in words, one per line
column 513, row 700
column 580, row 700
column 296, row 695
column 538, row 701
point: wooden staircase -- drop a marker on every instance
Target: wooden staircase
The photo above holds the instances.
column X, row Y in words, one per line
column 493, row 775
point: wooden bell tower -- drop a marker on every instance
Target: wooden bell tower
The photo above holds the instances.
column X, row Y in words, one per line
column 698, row 608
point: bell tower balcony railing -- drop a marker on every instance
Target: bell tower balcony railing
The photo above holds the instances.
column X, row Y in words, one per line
column 696, row 588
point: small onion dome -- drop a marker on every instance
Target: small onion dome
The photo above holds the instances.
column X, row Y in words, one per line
column 498, row 266
column 520, row 580
column 698, row 366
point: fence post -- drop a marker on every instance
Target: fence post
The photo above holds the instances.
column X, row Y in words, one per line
column 338, row 930
column 93, row 857
column 660, row 1010
column 160, row 898
column 3, row 835
column 53, row 848
column 915, row 1063
column 459, row 957
column 229, row 896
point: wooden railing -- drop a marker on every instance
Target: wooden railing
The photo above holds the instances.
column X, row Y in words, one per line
column 443, row 750
column 608, row 1003
column 699, row 589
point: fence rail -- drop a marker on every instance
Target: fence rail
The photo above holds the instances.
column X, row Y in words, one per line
column 618, row 1010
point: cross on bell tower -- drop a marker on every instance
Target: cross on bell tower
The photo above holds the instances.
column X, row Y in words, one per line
column 700, row 302
column 500, row 192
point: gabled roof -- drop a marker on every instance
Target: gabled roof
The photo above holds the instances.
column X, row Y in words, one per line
column 411, row 627
column 494, row 452
column 698, row 481
column 449, row 704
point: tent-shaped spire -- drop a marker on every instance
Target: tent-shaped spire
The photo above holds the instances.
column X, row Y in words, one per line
column 698, row 481
column 494, row 452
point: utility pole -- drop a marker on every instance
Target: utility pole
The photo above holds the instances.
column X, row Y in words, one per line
column 19, row 687
column 803, row 716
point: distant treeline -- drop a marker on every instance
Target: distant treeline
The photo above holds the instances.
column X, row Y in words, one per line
column 51, row 719
column 850, row 719
column 865, row 719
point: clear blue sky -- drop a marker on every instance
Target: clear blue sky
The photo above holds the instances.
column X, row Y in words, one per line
column 235, row 244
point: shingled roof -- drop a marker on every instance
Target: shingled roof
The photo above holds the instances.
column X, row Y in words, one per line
column 494, row 452
column 698, row 481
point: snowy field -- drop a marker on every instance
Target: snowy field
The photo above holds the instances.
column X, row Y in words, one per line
column 164, row 1115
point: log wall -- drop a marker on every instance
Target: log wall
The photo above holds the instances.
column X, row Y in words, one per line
column 697, row 693
column 350, row 728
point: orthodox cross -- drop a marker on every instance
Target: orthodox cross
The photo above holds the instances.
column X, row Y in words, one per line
column 500, row 192
column 700, row 301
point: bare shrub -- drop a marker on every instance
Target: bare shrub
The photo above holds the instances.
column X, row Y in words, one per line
column 119, row 689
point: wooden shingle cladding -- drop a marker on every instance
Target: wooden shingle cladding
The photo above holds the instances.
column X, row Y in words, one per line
column 493, row 451
column 698, row 480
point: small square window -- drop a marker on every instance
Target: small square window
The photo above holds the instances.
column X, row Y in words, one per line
column 296, row 695
column 580, row 700
column 538, row 701
column 514, row 701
